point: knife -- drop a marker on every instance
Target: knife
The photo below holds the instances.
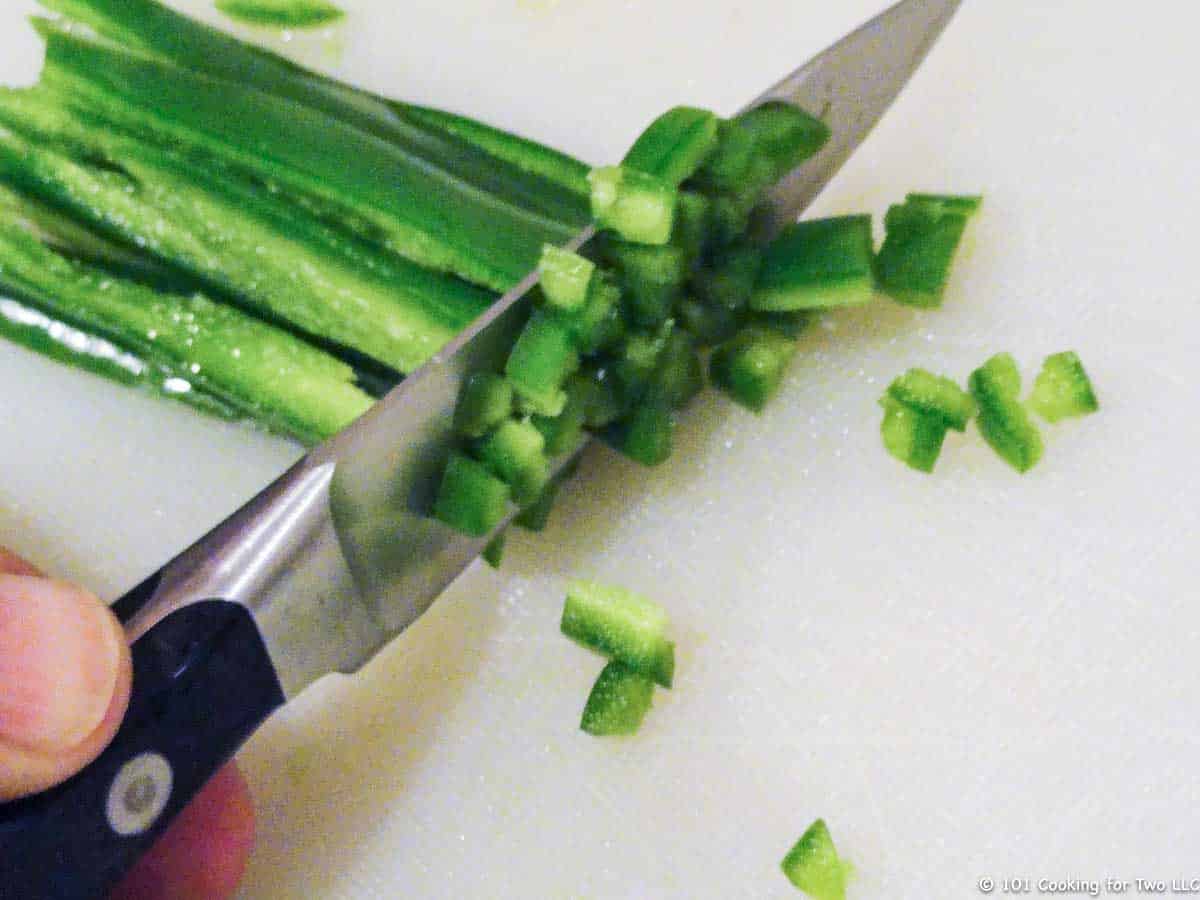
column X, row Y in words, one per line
column 339, row 555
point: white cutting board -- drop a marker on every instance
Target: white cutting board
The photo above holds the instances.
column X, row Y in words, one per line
column 970, row 675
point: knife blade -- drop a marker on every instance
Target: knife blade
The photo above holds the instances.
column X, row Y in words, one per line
column 339, row 555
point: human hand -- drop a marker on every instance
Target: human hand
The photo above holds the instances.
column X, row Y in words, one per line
column 65, row 677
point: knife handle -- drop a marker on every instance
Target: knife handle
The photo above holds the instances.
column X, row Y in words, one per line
column 202, row 683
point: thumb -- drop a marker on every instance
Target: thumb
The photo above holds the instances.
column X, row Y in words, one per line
column 64, row 681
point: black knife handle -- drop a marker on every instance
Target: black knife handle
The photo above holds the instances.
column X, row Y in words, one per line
column 202, row 683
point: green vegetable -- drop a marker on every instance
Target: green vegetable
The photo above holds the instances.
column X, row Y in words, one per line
column 536, row 515
column 692, row 219
column 522, row 171
column 754, row 151
column 1003, row 373
column 563, row 432
column 680, row 374
column 428, row 213
column 1062, row 388
column 923, row 233
column 942, row 204
column 470, row 498
column 82, row 349
column 493, row 553
column 623, row 626
column 638, row 207
column 1003, row 421
column 813, row 865
column 566, row 278
column 791, row 324
column 675, row 145
column 541, row 360
column 227, row 166
column 599, row 323
column 729, row 278
column 817, row 264
column 645, row 434
column 750, row 366
column 784, row 136
column 272, row 256
column 530, row 156
column 484, row 401
column 727, row 166
column 618, row 702
column 259, row 370
column 153, row 29
column 651, row 278
column 706, row 323
column 230, row 168
column 730, row 219
column 934, row 395
column 637, row 360
column 281, row 13
column 603, row 397
column 56, row 229
column 912, row 436
column 515, row 452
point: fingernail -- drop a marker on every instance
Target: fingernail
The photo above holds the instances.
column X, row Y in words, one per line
column 59, row 660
